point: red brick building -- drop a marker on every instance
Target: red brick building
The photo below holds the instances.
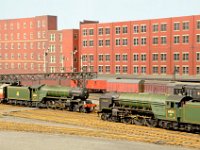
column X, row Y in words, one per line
column 34, row 45
column 157, row 47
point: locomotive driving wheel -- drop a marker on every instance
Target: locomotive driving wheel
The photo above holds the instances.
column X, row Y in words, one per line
column 150, row 122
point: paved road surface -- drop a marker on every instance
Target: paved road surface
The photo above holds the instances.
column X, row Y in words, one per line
column 10, row 140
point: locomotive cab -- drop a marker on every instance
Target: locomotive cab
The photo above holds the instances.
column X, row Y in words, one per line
column 174, row 105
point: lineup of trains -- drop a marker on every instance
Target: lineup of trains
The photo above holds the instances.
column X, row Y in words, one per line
column 62, row 97
column 178, row 111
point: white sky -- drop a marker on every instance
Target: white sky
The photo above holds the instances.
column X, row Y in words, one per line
column 71, row 12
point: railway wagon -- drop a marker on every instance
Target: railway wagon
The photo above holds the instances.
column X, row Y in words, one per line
column 156, row 110
column 157, row 87
column 74, row 99
column 125, row 85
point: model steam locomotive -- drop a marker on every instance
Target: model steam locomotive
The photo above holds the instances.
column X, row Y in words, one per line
column 73, row 99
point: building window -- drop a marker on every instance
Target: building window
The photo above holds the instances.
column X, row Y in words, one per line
column 198, row 56
column 185, row 25
column 155, row 57
column 60, row 37
column 163, row 70
column 52, row 48
column 91, row 31
column 155, row 40
column 18, row 45
column 117, row 30
column 52, row 36
column 100, row 57
column 177, row 69
column 24, row 25
column 124, row 57
column 108, row 42
column 91, row 43
column 53, row 59
column 25, row 45
column 31, row 45
column 100, row 31
column 52, row 69
column 135, row 29
column 84, row 58
column 198, row 38
column 135, row 41
column 117, row 42
column 124, row 42
column 91, row 68
column 6, row 56
column 91, row 58
column 143, row 41
column 185, row 57
column 100, row 43
column 6, row 37
column 84, row 32
column 31, row 25
column 107, row 57
column 25, row 56
column 135, row 57
column 143, row 57
column 135, row 69
column 163, row 57
column 185, row 38
column 117, row 69
column 163, row 27
column 163, row 40
column 198, row 24
column 176, row 57
column 31, row 35
column 117, row 57
column 107, row 69
column 176, row 26
column 124, row 69
column 155, row 69
column 84, row 43
column 185, row 70
column 198, row 70
column 38, row 24
column 107, row 30
column 18, row 25
column 143, row 69
column 75, row 36
column 176, row 39
column 155, row 28
column 100, row 69
column 32, row 56
column 12, row 45
column 124, row 29
column 143, row 28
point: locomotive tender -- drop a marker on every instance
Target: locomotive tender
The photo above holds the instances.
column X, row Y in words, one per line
column 73, row 99
column 170, row 112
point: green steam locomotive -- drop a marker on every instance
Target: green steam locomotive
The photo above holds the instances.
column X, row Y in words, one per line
column 73, row 99
column 170, row 112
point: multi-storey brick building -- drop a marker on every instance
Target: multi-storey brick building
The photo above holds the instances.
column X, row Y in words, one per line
column 144, row 47
column 34, row 45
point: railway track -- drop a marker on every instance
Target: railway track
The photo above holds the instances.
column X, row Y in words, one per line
column 112, row 130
